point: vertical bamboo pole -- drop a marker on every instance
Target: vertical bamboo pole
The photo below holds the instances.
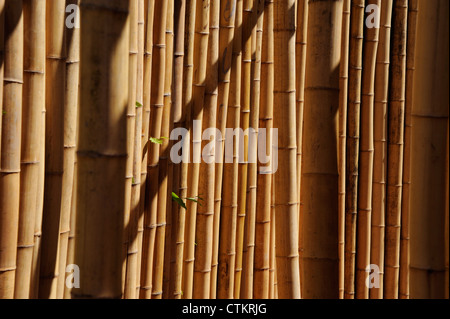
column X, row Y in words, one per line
column 300, row 64
column 178, row 114
column 149, row 6
column 447, row 222
column 380, row 146
column 352, row 144
column 163, row 176
column 273, row 261
column 428, row 194
column 228, row 216
column 200, row 62
column 404, row 235
column 11, row 145
column 187, row 102
column 395, row 149
column 70, row 128
column 286, row 197
column 73, row 220
column 33, row 102
column 131, row 127
column 35, row 268
column 366, row 157
column 205, row 213
column 250, row 222
column 261, row 286
column 320, row 174
column 226, row 33
column 343, row 101
column 170, row 217
column 102, row 161
column 133, row 174
column 156, row 115
column 2, row 60
column 54, row 146
column 247, row 27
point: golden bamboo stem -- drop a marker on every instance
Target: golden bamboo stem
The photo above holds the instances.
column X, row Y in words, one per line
column 11, row 145
column 33, row 102
column 103, row 160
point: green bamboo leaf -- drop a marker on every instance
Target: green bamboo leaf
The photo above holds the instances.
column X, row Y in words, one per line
column 178, row 200
column 138, row 105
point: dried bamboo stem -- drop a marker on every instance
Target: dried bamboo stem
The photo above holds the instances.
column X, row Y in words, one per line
column 226, row 34
column 250, row 221
column 102, row 161
column 200, row 63
column 33, row 102
column 244, row 124
column 205, row 212
column 380, row 146
column 70, row 129
column 366, row 157
column 286, row 196
column 353, row 138
column 149, row 7
column 163, row 176
column 179, row 169
column 187, row 102
column 343, row 101
column 55, row 91
column 404, row 235
column 228, row 216
column 11, row 145
column 156, row 116
column 262, row 263
column 395, row 149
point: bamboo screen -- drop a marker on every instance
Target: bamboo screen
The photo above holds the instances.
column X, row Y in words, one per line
column 260, row 149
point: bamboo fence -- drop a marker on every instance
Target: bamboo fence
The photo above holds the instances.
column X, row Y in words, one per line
column 203, row 149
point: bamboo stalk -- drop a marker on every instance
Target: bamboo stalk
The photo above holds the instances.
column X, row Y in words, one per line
column 70, row 128
column 428, row 194
column 149, row 6
column 11, row 145
column 205, row 211
column 250, row 222
column 133, row 175
column 352, row 144
column 54, row 146
column 404, row 234
column 286, row 197
column 35, row 268
column 395, row 149
column 200, row 62
column 156, row 115
column 163, row 176
column 320, row 174
column 131, row 129
column 33, row 101
column 228, row 216
column 187, row 102
column 273, row 263
column 343, row 101
column 226, row 34
column 380, row 146
column 447, row 222
column 366, row 158
column 180, row 170
column 262, row 263
column 2, row 59
column 102, row 161
column 247, row 27
column 300, row 64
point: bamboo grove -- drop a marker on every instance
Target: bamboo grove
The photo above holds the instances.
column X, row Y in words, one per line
column 349, row 199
